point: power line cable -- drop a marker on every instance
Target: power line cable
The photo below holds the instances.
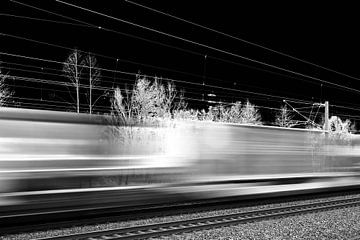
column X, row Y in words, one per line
column 229, row 95
column 107, row 29
column 240, row 39
column 152, row 77
column 100, row 55
column 153, row 42
column 61, row 75
column 99, row 27
column 201, row 44
column 42, row 20
column 85, row 78
column 157, row 67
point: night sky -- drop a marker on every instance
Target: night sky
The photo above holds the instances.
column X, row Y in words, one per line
column 324, row 35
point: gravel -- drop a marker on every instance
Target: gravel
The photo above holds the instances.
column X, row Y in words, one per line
column 335, row 224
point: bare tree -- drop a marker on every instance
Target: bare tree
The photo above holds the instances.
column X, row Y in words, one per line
column 284, row 118
column 250, row 114
column 5, row 93
column 94, row 74
column 122, row 106
column 148, row 100
column 235, row 112
column 72, row 69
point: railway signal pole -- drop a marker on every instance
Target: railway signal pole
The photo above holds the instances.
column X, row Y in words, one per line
column 326, row 105
column 326, row 128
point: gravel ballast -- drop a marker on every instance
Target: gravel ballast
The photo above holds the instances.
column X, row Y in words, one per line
column 335, row 224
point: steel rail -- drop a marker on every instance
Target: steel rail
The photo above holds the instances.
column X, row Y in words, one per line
column 195, row 224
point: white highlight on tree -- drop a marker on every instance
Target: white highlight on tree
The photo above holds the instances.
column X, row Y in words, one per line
column 5, row 93
column 94, row 74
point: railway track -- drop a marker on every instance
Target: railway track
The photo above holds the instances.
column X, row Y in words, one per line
column 178, row 227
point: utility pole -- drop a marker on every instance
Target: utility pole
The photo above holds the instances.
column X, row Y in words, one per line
column 204, row 77
column 326, row 128
column 326, row 106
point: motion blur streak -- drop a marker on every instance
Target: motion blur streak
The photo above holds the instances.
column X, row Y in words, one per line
column 44, row 150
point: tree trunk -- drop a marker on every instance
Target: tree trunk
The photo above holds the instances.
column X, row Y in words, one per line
column 77, row 83
column 90, row 84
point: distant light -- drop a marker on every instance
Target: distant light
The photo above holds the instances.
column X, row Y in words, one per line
column 211, row 95
column 99, row 27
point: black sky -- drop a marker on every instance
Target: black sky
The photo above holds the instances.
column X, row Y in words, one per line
column 322, row 34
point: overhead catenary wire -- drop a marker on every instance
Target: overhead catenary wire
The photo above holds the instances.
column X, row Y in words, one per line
column 137, row 63
column 54, row 101
column 99, row 27
column 188, row 90
column 108, row 107
column 154, row 42
column 104, row 109
column 117, row 59
column 152, row 77
column 100, row 55
column 52, row 90
column 240, row 39
column 41, row 101
column 47, row 106
column 123, row 80
column 62, row 75
column 201, row 44
column 185, row 98
column 42, row 20
column 307, row 119
column 68, row 84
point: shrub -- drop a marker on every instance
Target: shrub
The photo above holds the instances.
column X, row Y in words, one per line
column 146, row 102
column 249, row 114
column 151, row 101
column 339, row 131
column 5, row 93
column 284, row 118
column 184, row 114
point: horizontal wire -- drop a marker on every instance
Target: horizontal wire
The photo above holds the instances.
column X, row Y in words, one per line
column 154, row 77
column 179, row 38
column 241, row 39
column 202, row 45
column 167, row 69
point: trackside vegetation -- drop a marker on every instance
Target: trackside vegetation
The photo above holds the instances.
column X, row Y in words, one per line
column 152, row 101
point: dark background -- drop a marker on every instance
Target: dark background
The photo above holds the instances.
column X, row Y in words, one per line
column 325, row 35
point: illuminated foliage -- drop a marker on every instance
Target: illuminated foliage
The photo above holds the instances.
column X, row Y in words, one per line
column 5, row 93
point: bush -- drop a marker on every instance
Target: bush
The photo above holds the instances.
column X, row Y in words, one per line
column 152, row 101
column 339, row 131
column 250, row 114
column 146, row 102
column 236, row 113
column 284, row 118
column 184, row 114
column 5, row 93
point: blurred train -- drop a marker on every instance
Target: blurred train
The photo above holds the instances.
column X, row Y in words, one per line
column 47, row 151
